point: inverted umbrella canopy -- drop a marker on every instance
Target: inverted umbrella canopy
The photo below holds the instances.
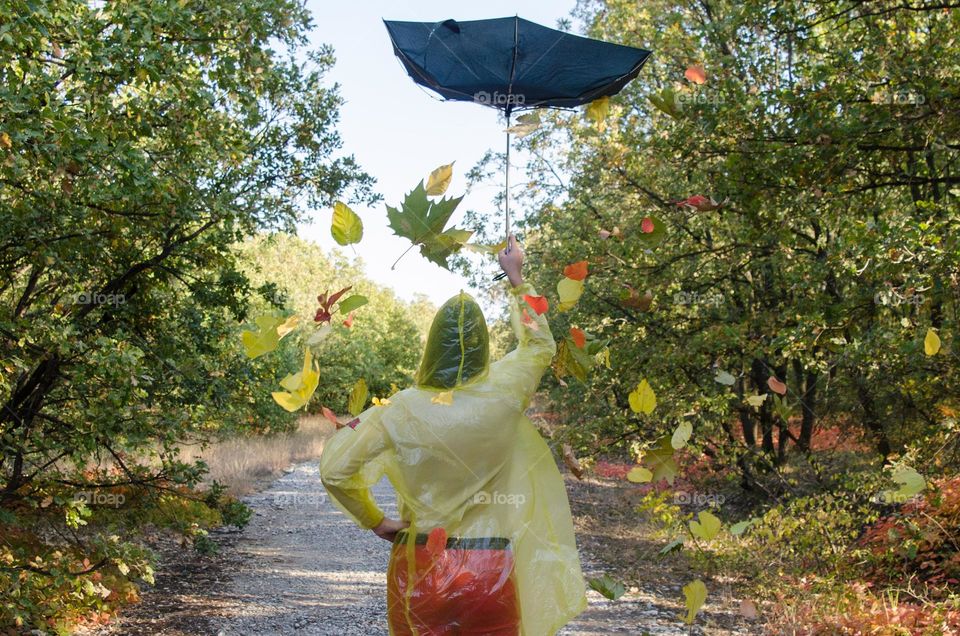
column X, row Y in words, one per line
column 512, row 63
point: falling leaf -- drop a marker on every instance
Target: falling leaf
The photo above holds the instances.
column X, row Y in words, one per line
column 579, row 337
column 681, row 435
column 695, row 74
column 604, row 357
column 439, row 180
column 642, row 399
column 358, row 397
column 572, row 462
column 347, row 228
column 911, row 482
column 660, row 460
column 676, row 544
column 640, row 475
column 300, row 386
column 646, row 225
column 741, row 526
column 5, row 141
column 756, row 401
column 724, row 378
column 748, row 609
column 931, row 343
column 353, row 302
column 776, row 385
column 538, row 303
column 288, row 325
column 323, row 313
column 666, row 101
column 525, row 125
column 569, row 291
column 267, row 336
column 700, row 203
column 695, row 594
column 380, row 401
column 444, row 397
column 348, row 322
column 436, row 542
column 707, row 527
column 421, row 221
column 598, row 109
column 576, row 271
column 528, row 320
column 486, row 249
column 608, row 587
column 330, row 415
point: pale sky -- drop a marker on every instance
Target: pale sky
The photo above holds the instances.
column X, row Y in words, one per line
column 399, row 132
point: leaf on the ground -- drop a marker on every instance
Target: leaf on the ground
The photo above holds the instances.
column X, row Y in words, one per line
column 682, row 434
column 346, row 228
column 642, row 399
column 707, row 527
column 358, row 397
column 422, row 221
column 748, row 609
column 931, row 343
column 439, row 180
column 608, row 587
column 695, row 594
column 299, row 386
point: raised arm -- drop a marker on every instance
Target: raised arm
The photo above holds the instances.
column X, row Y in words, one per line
column 519, row 371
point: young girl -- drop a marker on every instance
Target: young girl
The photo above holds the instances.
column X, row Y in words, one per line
column 484, row 544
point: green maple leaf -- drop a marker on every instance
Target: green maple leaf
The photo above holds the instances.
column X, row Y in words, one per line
column 422, row 221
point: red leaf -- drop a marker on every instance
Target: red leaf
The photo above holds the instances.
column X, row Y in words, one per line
column 576, row 271
column 646, row 225
column 538, row 303
column 323, row 313
column 353, row 423
column 700, row 203
column 327, row 413
column 695, row 74
column 776, row 385
column 579, row 338
column 349, row 321
column 436, row 542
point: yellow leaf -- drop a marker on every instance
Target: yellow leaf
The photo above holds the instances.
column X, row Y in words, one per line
column 358, row 397
column 642, row 399
column 439, row 180
column 346, row 227
column 569, row 291
column 264, row 339
column 300, row 386
column 756, row 401
column 5, row 141
column 604, row 357
column 931, row 344
column 707, row 527
column 695, row 593
column 444, row 397
column 640, row 475
column 380, row 401
column 598, row 109
column 289, row 325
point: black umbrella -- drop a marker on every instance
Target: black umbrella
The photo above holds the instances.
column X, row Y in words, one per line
column 512, row 64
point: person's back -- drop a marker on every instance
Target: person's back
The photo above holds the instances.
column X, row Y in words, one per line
column 463, row 458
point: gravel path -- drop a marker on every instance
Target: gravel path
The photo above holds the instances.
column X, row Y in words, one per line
column 305, row 569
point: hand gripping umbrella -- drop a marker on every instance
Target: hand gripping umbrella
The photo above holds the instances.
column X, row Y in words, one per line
column 512, row 64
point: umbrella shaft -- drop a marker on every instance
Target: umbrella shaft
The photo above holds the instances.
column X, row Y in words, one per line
column 506, row 192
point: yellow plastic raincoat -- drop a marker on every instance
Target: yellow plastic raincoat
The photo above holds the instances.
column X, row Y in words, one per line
column 476, row 467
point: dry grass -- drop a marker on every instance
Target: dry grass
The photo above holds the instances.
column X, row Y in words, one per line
column 245, row 463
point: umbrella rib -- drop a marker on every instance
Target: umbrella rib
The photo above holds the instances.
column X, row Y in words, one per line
column 440, row 40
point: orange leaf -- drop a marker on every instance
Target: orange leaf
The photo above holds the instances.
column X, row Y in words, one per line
column 579, row 338
column 327, row 413
column 538, row 303
column 349, row 321
column 576, row 271
column 646, row 225
column 776, row 385
column 695, row 74
column 436, row 542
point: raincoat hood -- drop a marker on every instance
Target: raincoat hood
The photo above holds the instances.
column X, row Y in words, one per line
column 458, row 347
